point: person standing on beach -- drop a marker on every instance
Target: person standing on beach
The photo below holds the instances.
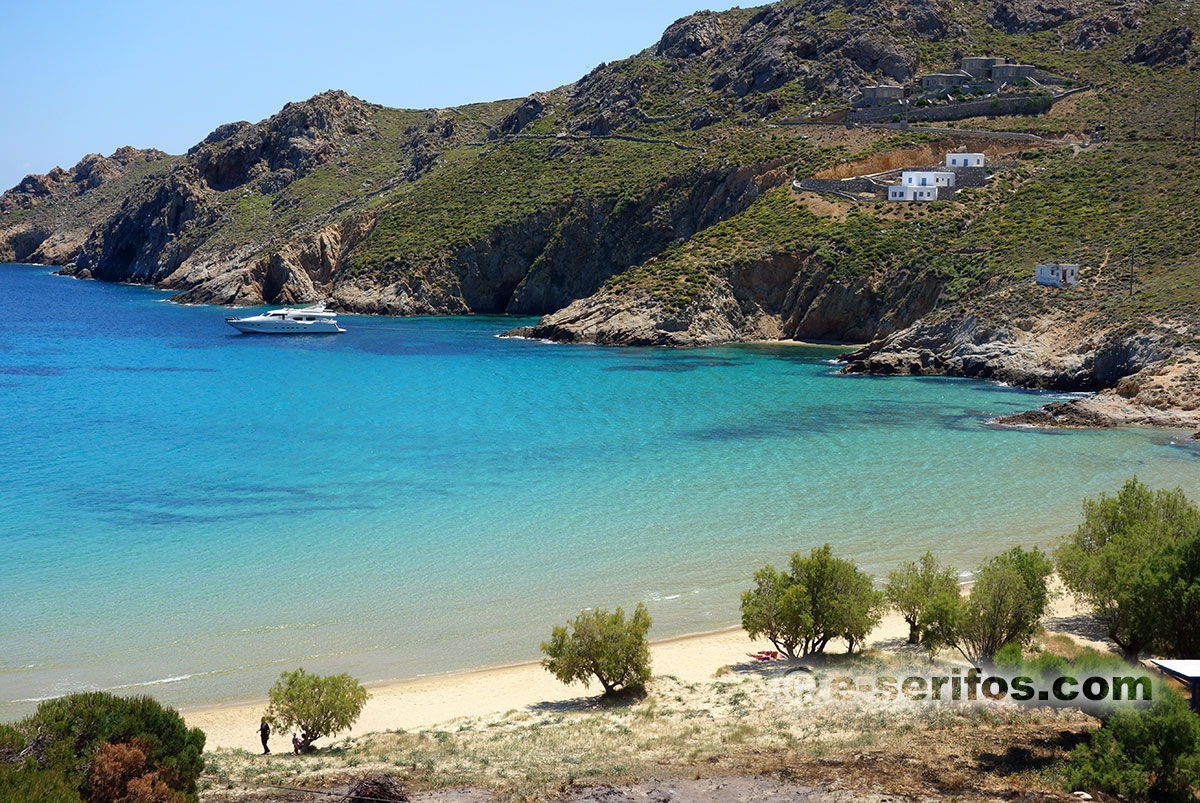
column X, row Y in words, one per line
column 264, row 730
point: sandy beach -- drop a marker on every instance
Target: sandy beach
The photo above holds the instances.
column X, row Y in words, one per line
column 422, row 702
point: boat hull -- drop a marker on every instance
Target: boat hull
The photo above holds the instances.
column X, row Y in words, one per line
column 284, row 327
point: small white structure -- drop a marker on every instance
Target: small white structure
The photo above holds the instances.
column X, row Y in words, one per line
column 964, row 160
column 1056, row 275
column 920, row 185
column 927, row 178
column 900, row 192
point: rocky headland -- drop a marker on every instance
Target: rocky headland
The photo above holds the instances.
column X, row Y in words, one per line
column 653, row 202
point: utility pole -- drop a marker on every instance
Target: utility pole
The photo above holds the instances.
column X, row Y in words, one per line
column 1132, row 251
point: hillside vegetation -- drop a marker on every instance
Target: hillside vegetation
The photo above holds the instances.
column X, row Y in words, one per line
column 651, row 200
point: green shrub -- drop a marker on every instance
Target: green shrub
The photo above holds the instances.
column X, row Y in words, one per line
column 1006, row 605
column 1134, row 562
column 1143, row 755
column 316, row 705
column 821, row 599
column 33, row 783
column 74, row 727
column 913, row 586
column 602, row 645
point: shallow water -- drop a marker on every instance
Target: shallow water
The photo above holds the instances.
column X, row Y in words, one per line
column 186, row 511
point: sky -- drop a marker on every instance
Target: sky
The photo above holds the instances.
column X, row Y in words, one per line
column 90, row 77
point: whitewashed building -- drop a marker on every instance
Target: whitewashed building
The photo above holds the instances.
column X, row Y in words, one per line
column 964, row 160
column 900, row 192
column 927, row 178
column 1057, row 275
column 920, row 185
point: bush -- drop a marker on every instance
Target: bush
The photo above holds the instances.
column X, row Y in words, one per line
column 913, row 586
column 602, row 645
column 1133, row 563
column 74, row 727
column 1143, row 755
column 1179, row 637
column 316, row 705
column 821, row 599
column 119, row 774
column 34, row 783
column 1005, row 606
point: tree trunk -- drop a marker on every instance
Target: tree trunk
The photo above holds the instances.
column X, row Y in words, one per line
column 914, row 632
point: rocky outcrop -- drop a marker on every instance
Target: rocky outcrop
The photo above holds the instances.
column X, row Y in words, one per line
column 147, row 239
column 691, row 36
column 1095, row 30
column 1057, row 414
column 1047, row 353
column 91, row 171
column 302, row 271
column 1170, row 48
column 530, row 109
column 786, row 296
column 1029, row 16
column 283, row 148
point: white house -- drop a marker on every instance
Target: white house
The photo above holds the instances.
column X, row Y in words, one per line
column 964, row 160
column 927, row 178
column 920, row 185
column 901, row 192
column 1057, row 275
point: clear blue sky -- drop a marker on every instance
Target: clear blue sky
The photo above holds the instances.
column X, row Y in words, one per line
column 84, row 77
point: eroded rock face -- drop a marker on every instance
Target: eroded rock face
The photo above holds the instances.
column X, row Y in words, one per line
column 143, row 241
column 529, row 110
column 300, row 272
column 691, row 36
column 1099, row 28
column 786, row 296
column 1171, row 48
column 965, row 346
column 91, row 171
column 1028, row 16
column 297, row 139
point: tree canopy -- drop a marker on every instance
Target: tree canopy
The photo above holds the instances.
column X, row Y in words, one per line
column 601, row 645
column 911, row 588
column 822, row 598
column 315, row 705
column 1006, row 605
column 1134, row 560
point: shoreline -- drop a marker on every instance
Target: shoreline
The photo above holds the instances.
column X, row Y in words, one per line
column 448, row 674
column 429, row 701
column 422, row 701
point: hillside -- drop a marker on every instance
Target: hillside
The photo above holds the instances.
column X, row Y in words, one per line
column 652, row 201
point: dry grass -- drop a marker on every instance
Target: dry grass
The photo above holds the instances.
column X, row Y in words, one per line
column 746, row 722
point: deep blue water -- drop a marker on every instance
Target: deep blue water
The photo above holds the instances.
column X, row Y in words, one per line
column 186, row 511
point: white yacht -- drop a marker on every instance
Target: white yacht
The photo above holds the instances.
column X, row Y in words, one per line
column 314, row 320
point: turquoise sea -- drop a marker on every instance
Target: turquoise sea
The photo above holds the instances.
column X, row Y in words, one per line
column 186, row 511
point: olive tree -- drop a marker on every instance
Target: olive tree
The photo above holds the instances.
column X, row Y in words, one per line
column 1129, row 560
column 1006, row 606
column 822, row 598
column 315, row 705
column 911, row 588
column 601, row 645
